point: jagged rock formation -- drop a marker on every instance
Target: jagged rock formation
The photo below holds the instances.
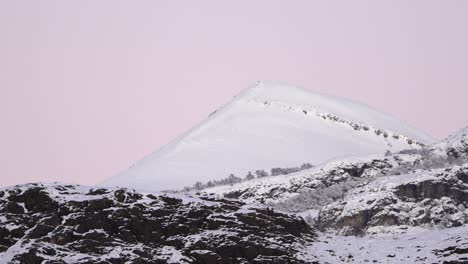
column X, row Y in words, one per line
column 72, row 224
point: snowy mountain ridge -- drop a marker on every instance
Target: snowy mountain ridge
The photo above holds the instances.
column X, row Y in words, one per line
column 346, row 109
column 358, row 125
column 269, row 125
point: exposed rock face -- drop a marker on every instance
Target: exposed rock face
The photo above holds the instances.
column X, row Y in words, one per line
column 432, row 197
column 431, row 190
column 73, row 224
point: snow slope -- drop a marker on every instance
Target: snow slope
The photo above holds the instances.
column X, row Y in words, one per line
column 413, row 246
column 269, row 125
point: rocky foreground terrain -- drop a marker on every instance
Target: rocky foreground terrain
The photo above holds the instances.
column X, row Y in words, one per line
column 73, row 224
column 405, row 207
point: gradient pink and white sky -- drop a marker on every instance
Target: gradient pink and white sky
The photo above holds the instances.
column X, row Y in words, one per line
column 89, row 87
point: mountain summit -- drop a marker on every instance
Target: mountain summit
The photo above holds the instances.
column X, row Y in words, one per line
column 269, row 125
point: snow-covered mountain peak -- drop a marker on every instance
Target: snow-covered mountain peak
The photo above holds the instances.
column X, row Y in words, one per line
column 269, row 89
column 277, row 93
column 270, row 125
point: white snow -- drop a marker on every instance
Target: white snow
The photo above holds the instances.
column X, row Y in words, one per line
column 415, row 245
column 269, row 125
column 173, row 255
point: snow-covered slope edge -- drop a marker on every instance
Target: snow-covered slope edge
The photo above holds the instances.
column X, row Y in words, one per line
column 269, row 125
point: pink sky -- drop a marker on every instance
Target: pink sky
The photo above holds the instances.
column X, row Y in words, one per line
column 89, row 87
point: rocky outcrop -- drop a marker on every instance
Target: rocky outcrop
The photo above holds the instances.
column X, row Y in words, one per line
column 431, row 189
column 424, row 198
column 73, row 224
